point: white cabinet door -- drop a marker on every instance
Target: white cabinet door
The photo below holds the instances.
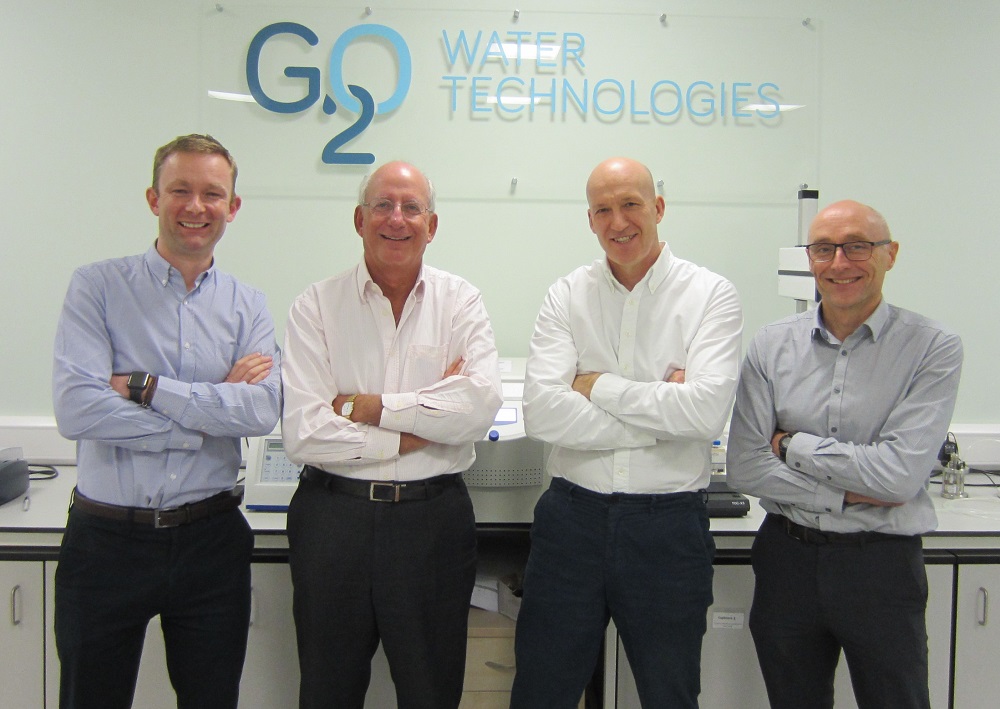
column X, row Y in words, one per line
column 977, row 636
column 22, row 635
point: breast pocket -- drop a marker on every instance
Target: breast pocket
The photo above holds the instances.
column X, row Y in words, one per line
column 424, row 365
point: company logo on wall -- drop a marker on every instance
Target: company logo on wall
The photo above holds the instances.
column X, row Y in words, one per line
column 354, row 98
column 505, row 76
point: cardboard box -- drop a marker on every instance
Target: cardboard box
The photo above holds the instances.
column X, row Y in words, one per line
column 509, row 595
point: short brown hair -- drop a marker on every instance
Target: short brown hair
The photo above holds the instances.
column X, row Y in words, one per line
column 193, row 143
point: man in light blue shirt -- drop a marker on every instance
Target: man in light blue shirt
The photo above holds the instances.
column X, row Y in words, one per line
column 162, row 364
column 839, row 415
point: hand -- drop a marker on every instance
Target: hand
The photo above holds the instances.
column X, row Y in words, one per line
column 853, row 498
column 584, row 383
column 409, row 443
column 454, row 368
column 119, row 382
column 251, row 369
column 677, row 377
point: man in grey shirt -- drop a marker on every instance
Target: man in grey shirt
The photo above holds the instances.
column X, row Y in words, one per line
column 839, row 415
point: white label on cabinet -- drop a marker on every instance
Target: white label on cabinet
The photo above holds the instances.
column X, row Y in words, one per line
column 727, row 620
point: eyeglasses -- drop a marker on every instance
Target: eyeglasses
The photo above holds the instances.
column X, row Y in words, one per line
column 853, row 250
column 385, row 207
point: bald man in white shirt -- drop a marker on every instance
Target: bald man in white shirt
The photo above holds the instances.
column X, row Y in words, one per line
column 631, row 375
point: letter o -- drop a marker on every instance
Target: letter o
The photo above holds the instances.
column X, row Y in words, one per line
column 340, row 92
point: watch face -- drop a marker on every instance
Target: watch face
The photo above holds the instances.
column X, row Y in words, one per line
column 138, row 380
column 348, row 409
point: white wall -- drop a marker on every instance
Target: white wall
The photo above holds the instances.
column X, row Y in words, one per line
column 903, row 118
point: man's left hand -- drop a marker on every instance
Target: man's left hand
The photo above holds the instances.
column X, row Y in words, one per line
column 251, row 369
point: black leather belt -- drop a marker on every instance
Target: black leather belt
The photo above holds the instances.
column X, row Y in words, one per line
column 161, row 517
column 808, row 535
column 377, row 491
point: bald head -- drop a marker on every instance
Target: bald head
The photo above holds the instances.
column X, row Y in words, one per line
column 873, row 223
column 393, row 170
column 621, row 170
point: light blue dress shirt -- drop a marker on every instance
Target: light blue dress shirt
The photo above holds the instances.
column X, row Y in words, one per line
column 136, row 314
column 869, row 416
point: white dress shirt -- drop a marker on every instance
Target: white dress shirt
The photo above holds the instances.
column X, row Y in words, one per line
column 637, row 433
column 341, row 337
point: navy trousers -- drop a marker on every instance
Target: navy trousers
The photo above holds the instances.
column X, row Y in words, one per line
column 643, row 560
column 813, row 600
column 364, row 572
column 114, row 576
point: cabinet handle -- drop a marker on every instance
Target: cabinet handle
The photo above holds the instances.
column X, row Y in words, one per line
column 15, row 605
column 498, row 666
column 985, row 607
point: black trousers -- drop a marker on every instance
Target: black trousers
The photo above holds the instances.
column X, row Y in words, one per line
column 114, row 576
column 364, row 572
column 813, row 600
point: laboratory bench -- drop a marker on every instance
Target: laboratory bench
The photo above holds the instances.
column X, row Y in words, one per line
column 963, row 566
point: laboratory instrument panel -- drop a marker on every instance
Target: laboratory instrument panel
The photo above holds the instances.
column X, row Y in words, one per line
column 505, row 482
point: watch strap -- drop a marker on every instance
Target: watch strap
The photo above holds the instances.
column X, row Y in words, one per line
column 783, row 444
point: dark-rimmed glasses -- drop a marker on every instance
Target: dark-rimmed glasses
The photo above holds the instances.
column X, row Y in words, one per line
column 853, row 250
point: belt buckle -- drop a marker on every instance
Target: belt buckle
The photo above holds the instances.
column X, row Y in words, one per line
column 393, row 496
column 158, row 523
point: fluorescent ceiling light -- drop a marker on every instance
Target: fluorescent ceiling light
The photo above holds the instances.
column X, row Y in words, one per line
column 530, row 51
column 515, row 100
column 228, row 96
column 770, row 107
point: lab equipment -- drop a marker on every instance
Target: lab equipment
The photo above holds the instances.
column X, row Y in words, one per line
column 953, row 478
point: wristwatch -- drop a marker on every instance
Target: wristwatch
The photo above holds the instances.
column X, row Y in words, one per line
column 137, row 383
column 348, row 407
column 783, row 444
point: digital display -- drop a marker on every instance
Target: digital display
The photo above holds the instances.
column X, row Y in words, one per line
column 507, row 414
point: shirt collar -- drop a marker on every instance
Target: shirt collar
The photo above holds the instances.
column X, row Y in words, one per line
column 654, row 277
column 366, row 284
column 162, row 270
column 876, row 323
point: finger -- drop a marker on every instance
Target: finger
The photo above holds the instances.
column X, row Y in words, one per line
column 454, row 368
column 256, row 373
column 246, row 365
column 257, row 379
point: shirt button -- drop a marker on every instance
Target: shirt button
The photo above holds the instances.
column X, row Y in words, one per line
column 834, row 429
column 837, row 390
column 187, row 345
column 173, row 476
column 843, row 352
column 186, row 445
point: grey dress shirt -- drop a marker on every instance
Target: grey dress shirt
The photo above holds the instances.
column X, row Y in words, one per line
column 869, row 416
